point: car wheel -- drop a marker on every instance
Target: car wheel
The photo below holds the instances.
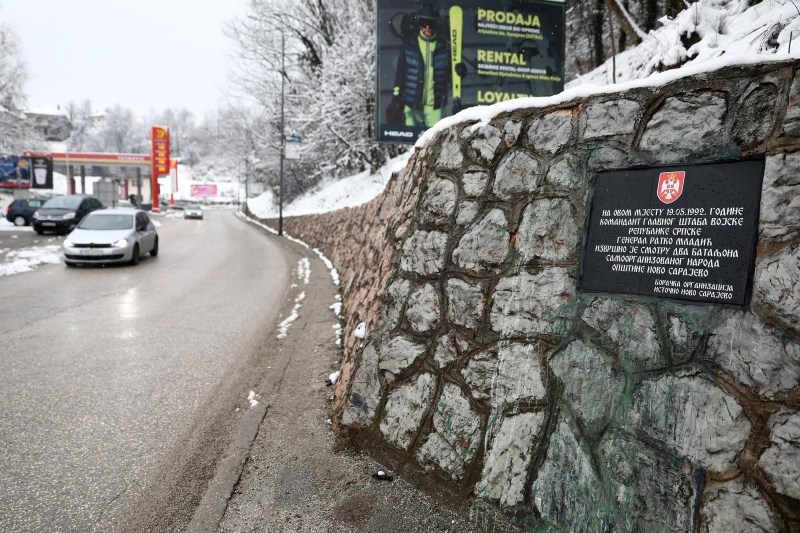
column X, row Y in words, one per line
column 20, row 220
column 40, row 232
column 154, row 251
column 69, row 263
column 135, row 257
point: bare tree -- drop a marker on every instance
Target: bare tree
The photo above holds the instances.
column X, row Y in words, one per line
column 84, row 125
column 122, row 133
column 180, row 123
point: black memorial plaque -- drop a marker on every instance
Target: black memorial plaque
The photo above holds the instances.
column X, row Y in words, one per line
column 682, row 232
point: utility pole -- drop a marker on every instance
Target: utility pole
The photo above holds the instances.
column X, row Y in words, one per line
column 246, row 168
column 283, row 135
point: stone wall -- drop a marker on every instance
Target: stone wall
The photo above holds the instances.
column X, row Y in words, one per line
column 487, row 369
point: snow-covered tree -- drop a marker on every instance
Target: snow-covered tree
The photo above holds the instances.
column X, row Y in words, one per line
column 589, row 28
column 84, row 120
column 122, row 132
column 15, row 134
column 320, row 56
column 180, row 123
column 704, row 30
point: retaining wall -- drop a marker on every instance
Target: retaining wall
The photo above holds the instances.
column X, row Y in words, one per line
column 487, row 371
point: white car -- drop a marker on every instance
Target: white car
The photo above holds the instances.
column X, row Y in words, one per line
column 120, row 235
column 193, row 211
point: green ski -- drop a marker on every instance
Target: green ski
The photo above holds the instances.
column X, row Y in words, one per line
column 456, row 36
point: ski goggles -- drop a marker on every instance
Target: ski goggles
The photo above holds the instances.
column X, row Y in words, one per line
column 427, row 23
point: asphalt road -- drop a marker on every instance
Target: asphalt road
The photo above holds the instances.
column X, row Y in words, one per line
column 119, row 385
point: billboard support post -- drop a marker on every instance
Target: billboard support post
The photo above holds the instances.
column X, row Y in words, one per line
column 70, row 181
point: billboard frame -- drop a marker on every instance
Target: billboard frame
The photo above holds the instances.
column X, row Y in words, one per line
column 504, row 50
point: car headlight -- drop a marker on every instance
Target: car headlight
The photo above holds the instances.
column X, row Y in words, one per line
column 68, row 216
column 68, row 243
column 36, row 215
column 122, row 243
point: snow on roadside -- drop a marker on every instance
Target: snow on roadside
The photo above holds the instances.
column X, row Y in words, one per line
column 336, row 306
column 304, row 275
column 28, row 259
column 5, row 225
column 304, row 270
column 253, row 398
column 283, row 327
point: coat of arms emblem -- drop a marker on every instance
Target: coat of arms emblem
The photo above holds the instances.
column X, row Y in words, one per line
column 670, row 186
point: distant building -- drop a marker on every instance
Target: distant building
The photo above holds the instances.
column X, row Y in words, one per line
column 53, row 124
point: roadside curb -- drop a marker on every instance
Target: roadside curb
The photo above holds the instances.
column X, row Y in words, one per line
column 228, row 473
column 212, row 507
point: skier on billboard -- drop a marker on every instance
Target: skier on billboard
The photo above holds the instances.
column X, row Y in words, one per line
column 423, row 74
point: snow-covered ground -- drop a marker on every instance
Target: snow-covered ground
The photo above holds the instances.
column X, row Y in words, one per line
column 28, row 259
column 332, row 194
column 22, row 259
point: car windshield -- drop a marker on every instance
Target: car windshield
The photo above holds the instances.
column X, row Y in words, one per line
column 64, row 202
column 107, row 222
column 193, row 207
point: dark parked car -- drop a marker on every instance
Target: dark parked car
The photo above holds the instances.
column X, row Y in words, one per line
column 61, row 214
column 21, row 210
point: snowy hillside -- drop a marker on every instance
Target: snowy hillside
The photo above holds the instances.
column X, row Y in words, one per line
column 708, row 29
column 332, row 194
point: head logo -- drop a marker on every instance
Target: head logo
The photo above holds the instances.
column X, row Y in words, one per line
column 391, row 133
column 670, row 186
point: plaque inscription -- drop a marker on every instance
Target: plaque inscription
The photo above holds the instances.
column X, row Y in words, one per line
column 685, row 232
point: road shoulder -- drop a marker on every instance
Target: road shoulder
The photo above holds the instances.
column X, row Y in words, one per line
column 295, row 477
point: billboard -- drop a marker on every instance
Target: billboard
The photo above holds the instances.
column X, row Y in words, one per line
column 26, row 172
column 42, row 172
column 15, row 172
column 203, row 190
column 437, row 57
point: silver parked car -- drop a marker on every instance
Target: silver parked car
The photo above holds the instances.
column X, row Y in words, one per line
column 120, row 235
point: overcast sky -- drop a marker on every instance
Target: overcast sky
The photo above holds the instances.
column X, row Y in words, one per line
column 142, row 54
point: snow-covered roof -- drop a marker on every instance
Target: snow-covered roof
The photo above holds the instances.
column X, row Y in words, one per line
column 46, row 111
